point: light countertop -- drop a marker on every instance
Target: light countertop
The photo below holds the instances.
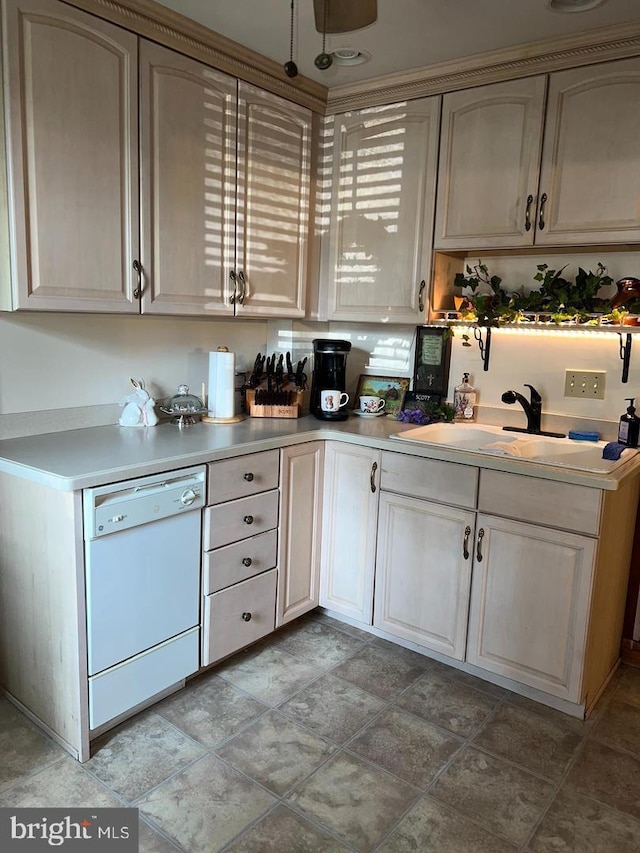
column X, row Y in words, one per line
column 94, row 456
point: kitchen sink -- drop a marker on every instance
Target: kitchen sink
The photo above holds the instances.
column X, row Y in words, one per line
column 543, row 450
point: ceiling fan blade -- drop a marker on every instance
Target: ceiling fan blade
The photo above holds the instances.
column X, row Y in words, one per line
column 343, row 16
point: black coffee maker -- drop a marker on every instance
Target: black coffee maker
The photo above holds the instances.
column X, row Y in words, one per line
column 328, row 396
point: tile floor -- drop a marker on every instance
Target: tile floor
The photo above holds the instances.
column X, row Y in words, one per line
column 324, row 738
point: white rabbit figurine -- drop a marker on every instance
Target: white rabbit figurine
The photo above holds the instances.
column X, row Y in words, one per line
column 139, row 408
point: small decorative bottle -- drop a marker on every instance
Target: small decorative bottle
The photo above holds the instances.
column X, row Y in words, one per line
column 464, row 400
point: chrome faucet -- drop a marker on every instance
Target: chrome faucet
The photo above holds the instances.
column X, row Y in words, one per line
column 532, row 409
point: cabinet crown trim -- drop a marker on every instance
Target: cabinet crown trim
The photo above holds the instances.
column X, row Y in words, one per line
column 620, row 41
column 163, row 25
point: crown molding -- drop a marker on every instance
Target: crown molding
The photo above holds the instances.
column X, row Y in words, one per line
column 606, row 43
column 163, row 25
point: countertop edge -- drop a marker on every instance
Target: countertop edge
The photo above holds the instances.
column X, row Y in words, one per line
column 374, row 434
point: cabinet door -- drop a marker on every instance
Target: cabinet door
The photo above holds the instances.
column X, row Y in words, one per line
column 423, row 572
column 301, row 476
column 73, row 158
column 187, row 138
column 272, row 221
column 529, row 604
column 383, row 176
column 590, row 156
column 349, row 523
column 490, row 157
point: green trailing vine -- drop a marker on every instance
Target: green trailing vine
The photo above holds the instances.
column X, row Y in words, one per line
column 487, row 303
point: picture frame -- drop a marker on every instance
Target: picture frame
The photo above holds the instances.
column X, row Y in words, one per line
column 391, row 388
column 432, row 357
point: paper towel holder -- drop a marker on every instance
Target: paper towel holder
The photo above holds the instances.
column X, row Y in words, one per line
column 207, row 419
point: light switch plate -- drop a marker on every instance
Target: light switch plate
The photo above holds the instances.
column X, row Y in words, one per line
column 585, row 383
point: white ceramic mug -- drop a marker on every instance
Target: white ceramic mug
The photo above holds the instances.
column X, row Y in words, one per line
column 371, row 405
column 333, row 401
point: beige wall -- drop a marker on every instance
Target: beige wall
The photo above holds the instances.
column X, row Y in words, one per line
column 53, row 363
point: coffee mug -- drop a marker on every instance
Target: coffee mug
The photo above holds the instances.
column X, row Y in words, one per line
column 371, row 405
column 333, row 401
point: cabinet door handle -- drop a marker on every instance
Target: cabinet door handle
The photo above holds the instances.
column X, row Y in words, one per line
column 527, row 214
column 479, row 545
column 137, row 268
column 248, row 477
column 372, row 480
column 233, row 280
column 246, row 617
column 246, row 561
column 543, row 201
column 465, row 544
column 243, row 287
column 248, row 519
column 423, row 284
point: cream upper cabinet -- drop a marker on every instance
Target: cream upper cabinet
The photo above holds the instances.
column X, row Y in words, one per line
column 423, row 572
column 495, row 190
column 272, row 205
column 349, row 524
column 530, row 604
column 489, row 165
column 380, row 177
column 188, row 177
column 225, row 200
column 590, row 167
column 71, row 113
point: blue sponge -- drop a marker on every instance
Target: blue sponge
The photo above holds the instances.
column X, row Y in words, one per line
column 581, row 435
column 613, row 450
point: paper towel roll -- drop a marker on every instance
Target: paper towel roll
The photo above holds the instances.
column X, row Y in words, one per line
column 222, row 369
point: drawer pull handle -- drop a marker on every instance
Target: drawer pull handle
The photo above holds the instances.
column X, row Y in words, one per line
column 374, row 468
column 246, row 617
column 248, row 519
column 465, row 544
column 479, row 545
column 247, row 561
column 249, row 477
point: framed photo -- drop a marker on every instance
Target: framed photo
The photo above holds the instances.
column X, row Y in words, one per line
column 392, row 389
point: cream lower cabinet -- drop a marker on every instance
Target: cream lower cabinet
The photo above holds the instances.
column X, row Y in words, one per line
column 349, row 527
column 424, row 554
column 530, row 604
column 423, row 572
column 301, row 480
column 551, row 566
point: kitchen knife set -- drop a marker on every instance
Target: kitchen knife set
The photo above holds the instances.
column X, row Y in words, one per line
column 269, row 373
column 275, row 387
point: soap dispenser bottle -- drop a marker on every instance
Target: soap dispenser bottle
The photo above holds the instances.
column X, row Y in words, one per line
column 464, row 400
column 629, row 427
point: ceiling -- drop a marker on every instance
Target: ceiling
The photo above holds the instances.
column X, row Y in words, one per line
column 408, row 34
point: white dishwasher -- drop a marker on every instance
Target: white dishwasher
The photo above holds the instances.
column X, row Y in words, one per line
column 142, row 572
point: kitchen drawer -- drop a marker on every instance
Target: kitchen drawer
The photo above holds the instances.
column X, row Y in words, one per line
column 243, row 475
column 445, row 482
column 233, row 563
column 540, row 501
column 121, row 688
column 235, row 520
column 238, row 616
